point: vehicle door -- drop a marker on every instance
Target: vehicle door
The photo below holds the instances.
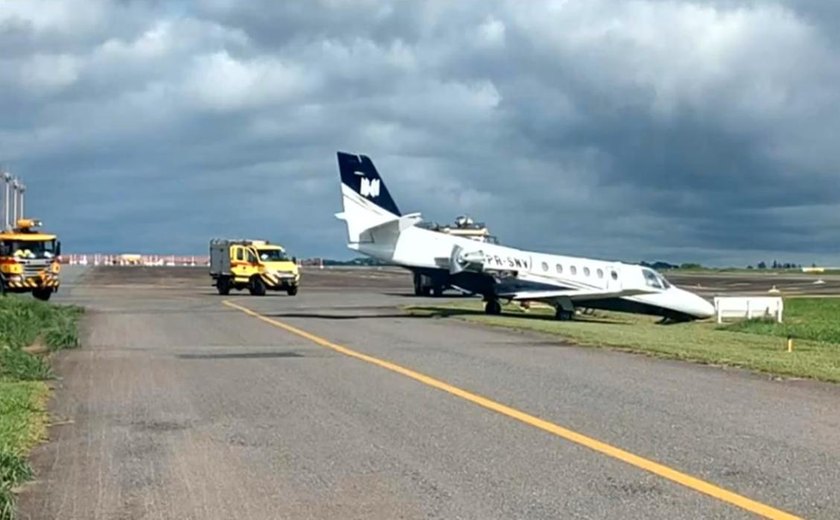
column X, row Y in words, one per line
column 254, row 265
column 238, row 262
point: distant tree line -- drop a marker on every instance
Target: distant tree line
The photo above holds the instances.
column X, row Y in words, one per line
column 360, row 261
column 659, row 265
column 777, row 265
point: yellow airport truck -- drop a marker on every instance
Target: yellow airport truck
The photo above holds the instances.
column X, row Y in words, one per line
column 256, row 265
column 29, row 260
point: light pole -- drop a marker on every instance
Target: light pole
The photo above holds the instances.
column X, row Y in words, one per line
column 15, row 186
column 21, row 191
column 7, row 190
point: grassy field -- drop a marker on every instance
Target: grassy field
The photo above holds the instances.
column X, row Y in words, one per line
column 757, row 345
column 29, row 330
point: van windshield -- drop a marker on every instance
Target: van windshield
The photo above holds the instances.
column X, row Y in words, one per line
column 26, row 249
column 272, row 255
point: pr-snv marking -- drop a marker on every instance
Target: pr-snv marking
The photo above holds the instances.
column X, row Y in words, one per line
column 580, row 439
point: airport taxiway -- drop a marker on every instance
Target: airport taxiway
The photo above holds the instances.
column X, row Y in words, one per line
column 179, row 406
column 758, row 284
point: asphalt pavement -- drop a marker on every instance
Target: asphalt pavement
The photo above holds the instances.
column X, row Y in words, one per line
column 179, row 406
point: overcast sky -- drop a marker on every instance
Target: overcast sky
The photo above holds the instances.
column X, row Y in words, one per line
column 650, row 129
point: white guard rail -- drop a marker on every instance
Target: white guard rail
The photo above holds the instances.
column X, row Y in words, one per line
column 748, row 307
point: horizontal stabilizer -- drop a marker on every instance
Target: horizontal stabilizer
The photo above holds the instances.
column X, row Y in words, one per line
column 389, row 231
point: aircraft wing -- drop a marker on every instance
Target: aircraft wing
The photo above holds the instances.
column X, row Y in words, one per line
column 575, row 295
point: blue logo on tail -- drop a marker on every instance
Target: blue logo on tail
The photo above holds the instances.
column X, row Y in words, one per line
column 359, row 174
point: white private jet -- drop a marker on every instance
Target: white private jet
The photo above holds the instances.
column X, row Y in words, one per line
column 376, row 228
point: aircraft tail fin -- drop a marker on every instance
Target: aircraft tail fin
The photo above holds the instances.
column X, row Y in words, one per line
column 365, row 198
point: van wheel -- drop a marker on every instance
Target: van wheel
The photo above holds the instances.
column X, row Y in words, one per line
column 223, row 286
column 42, row 294
column 291, row 291
column 257, row 287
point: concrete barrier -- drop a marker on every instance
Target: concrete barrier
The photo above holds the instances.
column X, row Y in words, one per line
column 748, row 307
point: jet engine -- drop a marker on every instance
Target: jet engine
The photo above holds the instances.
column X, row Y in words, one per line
column 461, row 260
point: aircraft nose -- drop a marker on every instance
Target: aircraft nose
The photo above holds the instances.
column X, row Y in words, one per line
column 697, row 305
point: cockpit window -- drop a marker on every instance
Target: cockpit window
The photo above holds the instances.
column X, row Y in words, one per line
column 651, row 279
column 656, row 280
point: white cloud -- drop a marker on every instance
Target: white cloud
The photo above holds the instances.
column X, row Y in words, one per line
column 49, row 72
column 665, row 113
column 491, row 33
column 64, row 16
column 221, row 82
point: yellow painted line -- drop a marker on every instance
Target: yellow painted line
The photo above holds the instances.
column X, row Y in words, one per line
column 656, row 468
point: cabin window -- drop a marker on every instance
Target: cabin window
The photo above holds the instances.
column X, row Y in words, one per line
column 559, row 269
column 573, row 270
column 600, row 273
column 545, row 266
column 614, row 275
column 239, row 255
column 586, row 271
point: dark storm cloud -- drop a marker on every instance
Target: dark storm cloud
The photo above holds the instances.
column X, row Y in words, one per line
column 682, row 130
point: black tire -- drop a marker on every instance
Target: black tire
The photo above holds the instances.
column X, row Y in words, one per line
column 493, row 307
column 437, row 291
column 223, row 286
column 564, row 315
column 418, row 285
column 292, row 290
column 42, row 294
column 257, row 287
column 2, row 286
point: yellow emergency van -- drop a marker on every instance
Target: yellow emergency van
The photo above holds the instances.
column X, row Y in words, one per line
column 29, row 260
column 255, row 265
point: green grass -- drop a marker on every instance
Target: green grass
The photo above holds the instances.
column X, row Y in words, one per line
column 17, row 365
column 25, row 322
column 815, row 319
column 755, row 346
column 22, row 424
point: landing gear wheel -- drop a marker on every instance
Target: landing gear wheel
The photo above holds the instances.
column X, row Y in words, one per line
column 493, row 307
column 223, row 286
column 257, row 287
column 420, row 288
column 564, row 315
column 42, row 294
column 291, row 291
